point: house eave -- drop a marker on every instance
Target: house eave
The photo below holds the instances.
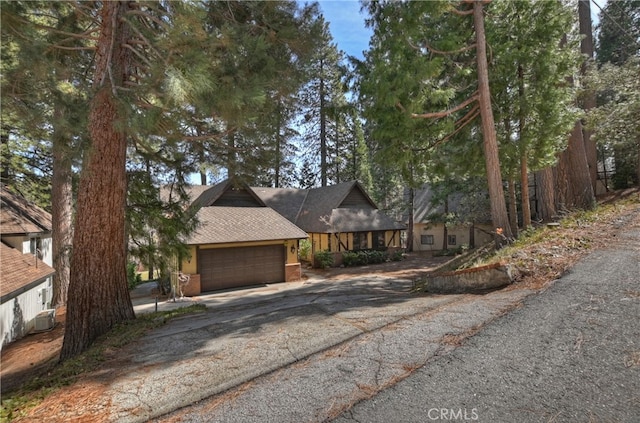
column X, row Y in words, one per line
column 13, row 294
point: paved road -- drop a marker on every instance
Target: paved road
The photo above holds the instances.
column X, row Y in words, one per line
column 568, row 354
column 571, row 354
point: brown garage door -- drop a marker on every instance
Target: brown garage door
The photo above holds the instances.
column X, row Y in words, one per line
column 233, row 267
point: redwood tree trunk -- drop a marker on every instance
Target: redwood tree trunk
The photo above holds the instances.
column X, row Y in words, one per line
column 589, row 96
column 61, row 219
column 98, row 294
column 546, row 194
column 573, row 180
column 513, row 207
column 524, row 192
column 490, row 143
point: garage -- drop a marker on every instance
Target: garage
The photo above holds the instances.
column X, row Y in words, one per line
column 222, row 268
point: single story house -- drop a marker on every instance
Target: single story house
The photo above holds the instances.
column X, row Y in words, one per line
column 240, row 241
column 337, row 218
column 450, row 224
column 25, row 260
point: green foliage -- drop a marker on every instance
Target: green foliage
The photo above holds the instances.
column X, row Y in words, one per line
column 351, row 258
column 397, row 255
column 323, row 259
column 133, row 278
column 618, row 32
column 615, row 120
column 364, row 257
column 304, row 250
column 534, row 105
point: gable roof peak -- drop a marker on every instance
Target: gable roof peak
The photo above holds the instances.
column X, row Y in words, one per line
column 229, row 193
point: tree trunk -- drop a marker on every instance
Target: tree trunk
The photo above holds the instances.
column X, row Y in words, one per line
column 278, row 153
column 98, row 293
column 472, row 235
column 323, row 129
column 410, row 234
column 589, row 96
column 524, row 192
column 638, row 161
column 61, row 217
column 573, row 180
column 546, row 194
column 513, row 207
column 232, row 159
column 490, row 144
column 445, row 231
column 524, row 150
column 5, row 173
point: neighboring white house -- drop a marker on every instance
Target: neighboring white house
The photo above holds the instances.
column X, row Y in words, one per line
column 25, row 260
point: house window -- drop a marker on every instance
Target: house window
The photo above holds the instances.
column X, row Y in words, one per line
column 360, row 241
column 35, row 247
column 451, row 239
column 426, row 239
column 378, row 240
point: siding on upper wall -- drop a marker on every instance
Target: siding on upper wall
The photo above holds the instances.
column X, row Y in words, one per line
column 237, row 198
column 437, row 231
column 17, row 316
column 356, row 199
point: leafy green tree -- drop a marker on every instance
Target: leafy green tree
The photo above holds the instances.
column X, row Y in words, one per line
column 423, row 67
column 47, row 98
column 617, row 52
column 618, row 32
column 255, row 58
column 615, row 121
column 323, row 107
column 534, row 104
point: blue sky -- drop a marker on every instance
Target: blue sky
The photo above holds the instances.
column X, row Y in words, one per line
column 346, row 24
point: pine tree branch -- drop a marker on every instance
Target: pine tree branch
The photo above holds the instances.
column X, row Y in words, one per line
column 57, row 46
column 473, row 113
column 139, row 33
column 138, row 54
column 464, row 120
column 83, row 35
column 430, row 48
column 446, row 113
column 461, row 12
column 147, row 16
column 460, row 50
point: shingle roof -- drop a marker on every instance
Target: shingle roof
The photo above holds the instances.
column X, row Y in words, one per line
column 18, row 216
column 242, row 224
column 361, row 220
column 193, row 192
column 19, row 271
column 322, row 212
column 286, row 201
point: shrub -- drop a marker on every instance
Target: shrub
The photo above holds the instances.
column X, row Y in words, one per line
column 305, row 249
column 397, row 255
column 350, row 258
column 133, row 279
column 362, row 257
column 323, row 259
